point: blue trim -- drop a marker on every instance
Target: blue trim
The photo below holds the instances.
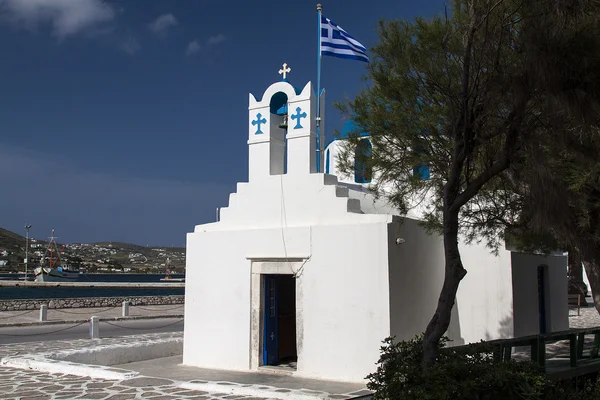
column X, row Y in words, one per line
column 297, row 117
column 363, row 173
column 259, row 121
column 327, row 155
column 318, row 122
column 422, row 171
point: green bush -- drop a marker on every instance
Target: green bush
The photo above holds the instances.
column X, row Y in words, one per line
column 466, row 372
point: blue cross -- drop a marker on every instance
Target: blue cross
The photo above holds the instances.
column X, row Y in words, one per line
column 297, row 117
column 258, row 122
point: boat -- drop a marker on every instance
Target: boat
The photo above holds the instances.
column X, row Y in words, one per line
column 169, row 272
column 53, row 271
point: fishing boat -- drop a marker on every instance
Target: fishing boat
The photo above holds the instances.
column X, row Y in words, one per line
column 50, row 269
column 169, row 272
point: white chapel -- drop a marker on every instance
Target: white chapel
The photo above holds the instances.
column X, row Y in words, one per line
column 304, row 271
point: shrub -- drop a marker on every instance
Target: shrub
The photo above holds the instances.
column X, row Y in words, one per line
column 467, row 372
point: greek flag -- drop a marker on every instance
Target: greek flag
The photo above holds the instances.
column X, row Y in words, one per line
column 337, row 42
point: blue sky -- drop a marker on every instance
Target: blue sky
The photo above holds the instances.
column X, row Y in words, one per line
column 125, row 120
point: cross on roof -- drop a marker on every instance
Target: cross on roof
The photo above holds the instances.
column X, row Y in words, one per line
column 285, row 70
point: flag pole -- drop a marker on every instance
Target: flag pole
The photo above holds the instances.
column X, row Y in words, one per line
column 319, row 12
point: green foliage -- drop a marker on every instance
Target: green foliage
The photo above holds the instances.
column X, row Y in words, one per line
column 466, row 372
column 478, row 95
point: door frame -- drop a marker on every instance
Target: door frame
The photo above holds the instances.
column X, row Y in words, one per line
column 259, row 267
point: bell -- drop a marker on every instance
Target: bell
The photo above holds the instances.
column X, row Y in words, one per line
column 284, row 122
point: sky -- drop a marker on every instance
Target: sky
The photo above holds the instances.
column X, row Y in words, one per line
column 125, row 120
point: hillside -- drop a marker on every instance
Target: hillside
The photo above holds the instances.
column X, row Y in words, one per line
column 91, row 257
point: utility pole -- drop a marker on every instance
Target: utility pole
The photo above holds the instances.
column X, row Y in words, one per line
column 27, row 227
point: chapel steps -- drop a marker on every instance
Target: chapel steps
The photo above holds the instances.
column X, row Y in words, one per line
column 331, row 185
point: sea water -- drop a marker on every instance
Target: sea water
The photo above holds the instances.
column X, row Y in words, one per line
column 9, row 293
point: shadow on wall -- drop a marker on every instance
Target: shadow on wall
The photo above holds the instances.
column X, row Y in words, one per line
column 505, row 330
column 416, row 275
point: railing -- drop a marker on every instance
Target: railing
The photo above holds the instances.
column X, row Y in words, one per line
column 537, row 343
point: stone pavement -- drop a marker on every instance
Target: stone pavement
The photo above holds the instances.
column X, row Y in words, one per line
column 73, row 314
column 45, row 372
column 22, row 384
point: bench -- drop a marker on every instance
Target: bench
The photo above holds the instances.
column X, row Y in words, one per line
column 575, row 302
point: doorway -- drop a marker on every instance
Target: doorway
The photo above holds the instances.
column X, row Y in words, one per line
column 542, row 309
column 279, row 321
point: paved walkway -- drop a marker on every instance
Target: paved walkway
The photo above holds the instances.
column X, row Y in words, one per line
column 156, row 379
column 25, row 384
column 73, row 314
column 42, row 370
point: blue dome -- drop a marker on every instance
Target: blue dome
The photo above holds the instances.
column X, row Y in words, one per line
column 351, row 129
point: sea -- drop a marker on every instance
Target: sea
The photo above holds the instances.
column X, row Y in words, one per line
column 10, row 293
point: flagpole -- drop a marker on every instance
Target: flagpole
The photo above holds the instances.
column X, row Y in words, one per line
column 319, row 11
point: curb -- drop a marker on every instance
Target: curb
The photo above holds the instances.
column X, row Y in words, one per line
column 79, row 321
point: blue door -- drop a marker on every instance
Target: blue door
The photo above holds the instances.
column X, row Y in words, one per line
column 541, row 280
column 271, row 339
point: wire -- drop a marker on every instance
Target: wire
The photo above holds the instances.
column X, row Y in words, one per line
column 162, row 309
column 45, row 333
column 130, row 327
column 86, row 312
column 18, row 315
column 283, row 219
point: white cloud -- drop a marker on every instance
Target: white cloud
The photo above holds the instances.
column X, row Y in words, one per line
column 161, row 25
column 67, row 17
column 216, row 39
column 130, row 45
column 192, row 48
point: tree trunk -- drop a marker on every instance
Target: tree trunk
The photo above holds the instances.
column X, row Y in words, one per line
column 454, row 273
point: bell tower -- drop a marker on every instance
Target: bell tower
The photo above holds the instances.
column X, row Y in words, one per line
column 284, row 120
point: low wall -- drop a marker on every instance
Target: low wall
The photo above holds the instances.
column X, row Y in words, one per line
column 87, row 302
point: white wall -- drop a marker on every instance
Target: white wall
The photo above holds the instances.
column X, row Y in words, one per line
column 217, row 309
column 483, row 308
column 485, row 297
column 346, row 302
column 343, row 294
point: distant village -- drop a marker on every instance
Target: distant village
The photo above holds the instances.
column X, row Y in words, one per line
column 94, row 258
